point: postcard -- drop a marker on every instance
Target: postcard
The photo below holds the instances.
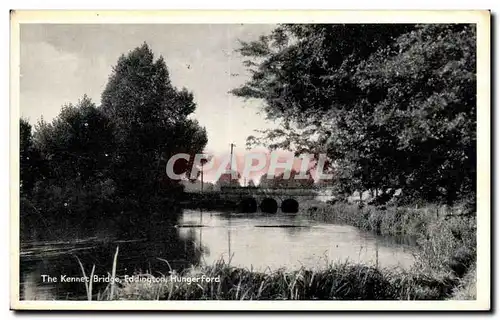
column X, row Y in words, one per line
column 237, row 160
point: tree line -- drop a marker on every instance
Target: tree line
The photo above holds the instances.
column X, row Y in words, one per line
column 98, row 162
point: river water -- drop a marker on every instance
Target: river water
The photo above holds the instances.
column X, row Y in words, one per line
column 257, row 241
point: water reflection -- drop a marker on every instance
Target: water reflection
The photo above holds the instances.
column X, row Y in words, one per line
column 257, row 241
column 140, row 254
column 292, row 241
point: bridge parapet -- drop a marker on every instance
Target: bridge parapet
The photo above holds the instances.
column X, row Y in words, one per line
column 256, row 191
column 267, row 199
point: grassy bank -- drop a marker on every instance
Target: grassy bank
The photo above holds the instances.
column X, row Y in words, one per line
column 390, row 220
column 446, row 242
column 340, row 281
column 466, row 290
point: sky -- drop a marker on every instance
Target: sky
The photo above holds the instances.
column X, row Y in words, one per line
column 60, row 63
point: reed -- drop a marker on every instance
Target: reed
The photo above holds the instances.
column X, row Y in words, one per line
column 467, row 289
column 336, row 281
column 113, row 273
column 391, row 221
column 88, row 284
column 339, row 281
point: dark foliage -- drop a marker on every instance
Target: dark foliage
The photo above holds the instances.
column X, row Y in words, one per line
column 95, row 164
column 393, row 106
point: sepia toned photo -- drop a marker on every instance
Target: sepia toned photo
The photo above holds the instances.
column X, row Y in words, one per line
column 338, row 159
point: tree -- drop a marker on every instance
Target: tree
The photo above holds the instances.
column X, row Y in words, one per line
column 393, row 106
column 77, row 144
column 30, row 162
column 150, row 120
column 429, row 109
column 108, row 162
column 73, row 159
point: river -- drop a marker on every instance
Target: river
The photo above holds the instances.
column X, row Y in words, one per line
column 258, row 241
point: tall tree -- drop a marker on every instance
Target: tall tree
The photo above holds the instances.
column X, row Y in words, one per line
column 77, row 144
column 75, row 149
column 151, row 123
column 393, row 106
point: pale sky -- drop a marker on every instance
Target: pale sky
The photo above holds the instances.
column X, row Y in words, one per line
column 61, row 63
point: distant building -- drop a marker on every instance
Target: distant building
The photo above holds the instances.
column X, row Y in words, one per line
column 226, row 179
column 196, row 186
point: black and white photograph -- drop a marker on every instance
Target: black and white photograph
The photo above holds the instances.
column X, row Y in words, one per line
column 323, row 159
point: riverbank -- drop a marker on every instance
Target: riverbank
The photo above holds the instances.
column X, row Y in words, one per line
column 446, row 242
column 339, row 281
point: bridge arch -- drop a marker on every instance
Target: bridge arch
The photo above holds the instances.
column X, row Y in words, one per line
column 269, row 205
column 248, row 205
column 290, row 206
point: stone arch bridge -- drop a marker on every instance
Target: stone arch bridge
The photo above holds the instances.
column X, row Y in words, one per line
column 269, row 200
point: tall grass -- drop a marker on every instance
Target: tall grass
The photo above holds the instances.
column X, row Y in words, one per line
column 113, row 273
column 88, row 284
column 446, row 243
column 392, row 221
column 339, row 281
column 467, row 289
column 109, row 291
